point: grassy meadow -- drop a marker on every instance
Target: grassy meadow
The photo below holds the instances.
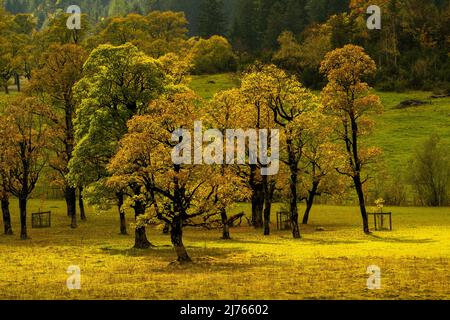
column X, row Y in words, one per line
column 328, row 264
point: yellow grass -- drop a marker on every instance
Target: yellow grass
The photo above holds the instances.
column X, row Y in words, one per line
column 330, row 264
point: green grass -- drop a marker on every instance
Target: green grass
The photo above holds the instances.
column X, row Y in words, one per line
column 330, row 264
column 4, row 98
column 399, row 131
column 208, row 85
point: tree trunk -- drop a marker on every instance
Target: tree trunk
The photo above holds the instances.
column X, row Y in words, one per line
column 268, row 193
column 257, row 199
column 23, row 218
column 166, row 228
column 17, row 80
column 257, row 206
column 123, row 222
column 310, row 201
column 5, row 86
column 81, row 204
column 6, row 216
column 140, row 239
column 362, row 204
column 293, row 203
column 71, row 202
column 225, row 225
column 357, row 169
column 176, row 236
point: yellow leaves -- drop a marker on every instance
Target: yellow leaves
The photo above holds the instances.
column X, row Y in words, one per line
column 289, row 54
column 177, row 66
column 370, row 154
column 273, row 91
column 229, row 109
column 379, row 203
column 346, row 66
column 213, row 55
column 24, row 140
column 346, row 95
column 156, row 34
column 365, row 126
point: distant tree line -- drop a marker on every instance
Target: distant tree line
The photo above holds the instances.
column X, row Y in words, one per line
column 411, row 50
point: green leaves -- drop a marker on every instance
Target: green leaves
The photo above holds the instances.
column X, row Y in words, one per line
column 118, row 82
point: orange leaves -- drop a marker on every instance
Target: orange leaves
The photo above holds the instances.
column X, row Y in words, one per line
column 24, row 141
column 346, row 92
column 347, row 97
column 346, row 66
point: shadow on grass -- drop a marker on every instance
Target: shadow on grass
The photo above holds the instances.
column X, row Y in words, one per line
column 203, row 258
column 400, row 240
column 237, row 241
column 163, row 251
column 132, row 252
column 330, row 241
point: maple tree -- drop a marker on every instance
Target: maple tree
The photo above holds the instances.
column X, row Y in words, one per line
column 226, row 110
column 348, row 98
column 24, row 122
column 53, row 82
column 118, row 82
column 289, row 104
column 156, row 34
column 178, row 194
column 5, row 160
column 321, row 155
column 262, row 187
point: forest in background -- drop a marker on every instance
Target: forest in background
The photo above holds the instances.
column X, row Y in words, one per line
column 298, row 13
column 411, row 49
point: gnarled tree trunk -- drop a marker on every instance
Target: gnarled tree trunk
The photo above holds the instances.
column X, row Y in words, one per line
column 268, row 195
column 293, row 191
column 23, row 218
column 123, row 222
column 6, row 216
column 257, row 198
column 71, row 202
column 81, row 204
column 140, row 236
column 17, row 81
column 310, row 201
column 354, row 152
column 176, row 236
column 225, row 225
column 257, row 206
column 5, row 86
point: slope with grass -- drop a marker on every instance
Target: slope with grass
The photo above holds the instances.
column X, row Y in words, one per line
column 400, row 130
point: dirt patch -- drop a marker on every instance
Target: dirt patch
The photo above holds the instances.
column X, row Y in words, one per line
column 411, row 103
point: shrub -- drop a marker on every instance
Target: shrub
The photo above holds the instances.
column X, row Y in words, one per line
column 213, row 55
column 429, row 172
